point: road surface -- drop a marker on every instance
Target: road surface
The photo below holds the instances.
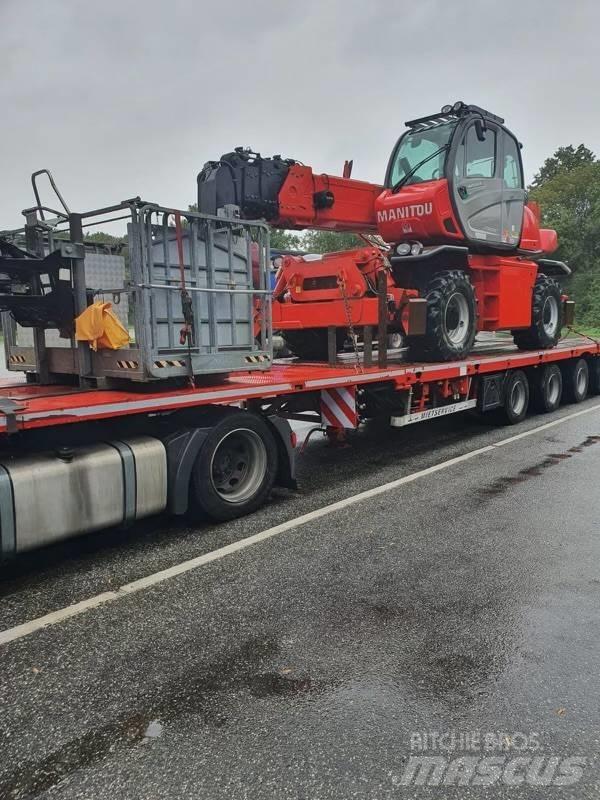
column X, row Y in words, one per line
column 451, row 614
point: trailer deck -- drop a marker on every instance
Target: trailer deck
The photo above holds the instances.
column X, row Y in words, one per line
column 37, row 406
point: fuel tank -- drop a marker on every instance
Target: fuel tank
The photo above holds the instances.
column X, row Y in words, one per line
column 48, row 496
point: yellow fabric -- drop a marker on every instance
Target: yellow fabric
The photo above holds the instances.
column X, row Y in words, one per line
column 99, row 326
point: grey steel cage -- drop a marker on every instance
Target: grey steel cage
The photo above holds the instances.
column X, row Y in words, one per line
column 181, row 271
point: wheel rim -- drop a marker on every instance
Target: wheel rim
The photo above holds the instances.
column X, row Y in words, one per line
column 550, row 315
column 457, row 318
column 581, row 380
column 518, row 398
column 395, row 341
column 238, row 465
column 553, row 388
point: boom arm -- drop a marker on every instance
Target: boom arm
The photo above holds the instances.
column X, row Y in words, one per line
column 287, row 194
column 326, row 202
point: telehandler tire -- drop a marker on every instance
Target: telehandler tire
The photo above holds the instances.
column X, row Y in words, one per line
column 546, row 317
column 451, row 318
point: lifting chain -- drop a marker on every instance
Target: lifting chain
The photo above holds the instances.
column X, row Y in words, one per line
column 342, row 284
column 571, row 329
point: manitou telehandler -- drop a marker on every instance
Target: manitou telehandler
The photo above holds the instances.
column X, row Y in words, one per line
column 461, row 248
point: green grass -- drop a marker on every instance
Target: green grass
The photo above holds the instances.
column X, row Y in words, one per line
column 585, row 330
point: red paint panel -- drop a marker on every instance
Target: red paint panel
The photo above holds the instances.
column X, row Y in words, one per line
column 418, row 212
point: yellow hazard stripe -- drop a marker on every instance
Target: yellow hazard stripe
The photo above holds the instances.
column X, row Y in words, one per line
column 169, row 363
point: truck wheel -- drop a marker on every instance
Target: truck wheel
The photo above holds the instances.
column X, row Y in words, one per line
column 235, row 469
column 546, row 316
column 451, row 318
column 594, row 374
column 576, row 379
column 311, row 344
column 516, row 396
column 546, row 388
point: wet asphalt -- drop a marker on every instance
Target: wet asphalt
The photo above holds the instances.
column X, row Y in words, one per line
column 312, row 665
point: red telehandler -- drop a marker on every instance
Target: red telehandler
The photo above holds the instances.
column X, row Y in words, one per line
column 461, row 248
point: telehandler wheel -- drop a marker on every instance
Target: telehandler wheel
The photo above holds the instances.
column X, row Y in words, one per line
column 546, row 388
column 516, row 396
column 451, row 318
column 235, row 469
column 576, row 379
column 546, row 316
column 311, row 344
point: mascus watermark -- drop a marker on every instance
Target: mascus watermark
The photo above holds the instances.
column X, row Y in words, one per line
column 475, row 758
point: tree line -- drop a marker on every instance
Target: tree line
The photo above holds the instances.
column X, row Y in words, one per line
column 567, row 187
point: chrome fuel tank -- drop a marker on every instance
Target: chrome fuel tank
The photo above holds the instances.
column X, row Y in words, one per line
column 54, row 495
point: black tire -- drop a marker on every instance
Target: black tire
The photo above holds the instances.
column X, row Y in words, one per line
column 451, row 319
column 516, row 397
column 311, row 344
column 546, row 317
column 546, row 388
column 594, row 374
column 222, row 488
column 576, row 379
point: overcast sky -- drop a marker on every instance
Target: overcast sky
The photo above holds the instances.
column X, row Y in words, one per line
column 121, row 98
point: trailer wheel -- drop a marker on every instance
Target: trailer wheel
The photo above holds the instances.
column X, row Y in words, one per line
column 576, row 379
column 516, row 396
column 235, row 469
column 451, row 318
column 546, row 316
column 594, row 374
column 311, row 344
column 546, row 388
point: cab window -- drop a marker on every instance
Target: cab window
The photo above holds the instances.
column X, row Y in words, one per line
column 513, row 177
column 479, row 156
column 425, row 147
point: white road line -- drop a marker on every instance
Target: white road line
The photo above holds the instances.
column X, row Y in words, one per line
column 545, row 427
column 55, row 617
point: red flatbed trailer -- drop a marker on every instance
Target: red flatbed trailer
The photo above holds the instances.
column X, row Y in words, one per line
column 49, row 406
column 73, row 460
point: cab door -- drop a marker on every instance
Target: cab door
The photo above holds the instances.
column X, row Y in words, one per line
column 514, row 195
column 478, row 186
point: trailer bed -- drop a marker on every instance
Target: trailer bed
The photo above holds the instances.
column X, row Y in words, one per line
column 45, row 406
